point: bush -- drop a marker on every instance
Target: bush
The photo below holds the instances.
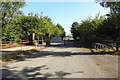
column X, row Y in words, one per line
column 7, row 57
column 117, row 53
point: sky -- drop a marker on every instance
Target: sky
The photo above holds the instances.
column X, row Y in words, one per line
column 65, row 13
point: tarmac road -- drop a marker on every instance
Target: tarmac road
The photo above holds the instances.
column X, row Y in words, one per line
column 59, row 61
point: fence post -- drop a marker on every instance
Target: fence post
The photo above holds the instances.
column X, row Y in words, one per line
column 21, row 45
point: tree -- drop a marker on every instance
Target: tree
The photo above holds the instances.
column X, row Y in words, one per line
column 60, row 31
column 39, row 25
column 87, row 26
column 48, row 29
column 112, row 25
column 10, row 10
column 16, row 26
column 74, row 30
column 30, row 26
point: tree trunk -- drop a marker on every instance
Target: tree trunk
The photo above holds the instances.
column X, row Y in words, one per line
column 31, row 38
column 47, row 39
column 83, row 40
column 117, row 46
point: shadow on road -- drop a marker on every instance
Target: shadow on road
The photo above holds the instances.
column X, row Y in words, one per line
column 30, row 72
column 34, row 72
column 68, row 44
column 63, row 54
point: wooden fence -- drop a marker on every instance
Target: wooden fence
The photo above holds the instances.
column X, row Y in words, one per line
column 8, row 44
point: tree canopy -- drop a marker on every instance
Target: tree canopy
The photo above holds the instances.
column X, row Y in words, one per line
column 106, row 26
column 88, row 26
column 9, row 11
column 16, row 25
column 111, row 26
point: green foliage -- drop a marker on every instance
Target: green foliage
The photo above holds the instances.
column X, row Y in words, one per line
column 74, row 30
column 16, row 26
column 114, row 6
column 29, row 24
column 38, row 24
column 9, row 12
column 106, row 27
column 86, row 27
column 35, row 42
column 59, row 31
column 111, row 26
column 117, row 53
column 48, row 26
column 109, row 29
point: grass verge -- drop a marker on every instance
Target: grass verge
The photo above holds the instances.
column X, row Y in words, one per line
column 18, row 54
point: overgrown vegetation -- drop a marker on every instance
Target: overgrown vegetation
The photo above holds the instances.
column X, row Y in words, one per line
column 107, row 27
column 17, row 54
column 17, row 26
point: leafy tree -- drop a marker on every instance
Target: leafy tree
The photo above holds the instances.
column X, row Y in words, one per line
column 111, row 26
column 108, row 29
column 57, row 31
column 87, row 26
column 52, row 30
column 74, row 30
column 48, row 29
column 9, row 11
column 39, row 25
column 60, row 31
column 16, row 26
column 30, row 25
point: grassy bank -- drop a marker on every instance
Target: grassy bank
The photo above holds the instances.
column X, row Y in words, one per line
column 18, row 54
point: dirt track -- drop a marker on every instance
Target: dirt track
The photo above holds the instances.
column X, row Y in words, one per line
column 63, row 62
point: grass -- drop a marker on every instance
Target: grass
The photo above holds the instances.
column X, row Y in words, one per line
column 18, row 54
column 104, row 50
column 56, row 41
column 117, row 53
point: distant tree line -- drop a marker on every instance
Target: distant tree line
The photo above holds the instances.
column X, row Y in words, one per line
column 17, row 26
column 107, row 26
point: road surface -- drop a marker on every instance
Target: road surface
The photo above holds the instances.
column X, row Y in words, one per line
column 63, row 61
